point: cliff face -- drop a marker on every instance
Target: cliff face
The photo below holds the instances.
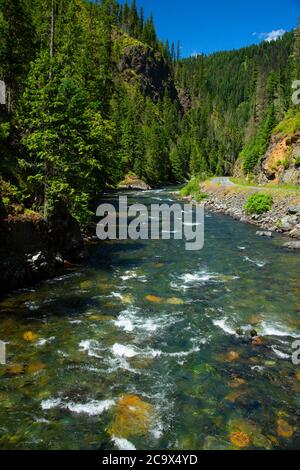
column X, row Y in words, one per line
column 281, row 163
column 32, row 249
column 150, row 69
column 140, row 65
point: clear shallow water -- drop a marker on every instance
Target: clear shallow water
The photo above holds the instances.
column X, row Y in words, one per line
column 138, row 347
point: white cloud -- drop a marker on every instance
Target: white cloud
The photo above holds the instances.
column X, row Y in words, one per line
column 195, row 54
column 271, row 36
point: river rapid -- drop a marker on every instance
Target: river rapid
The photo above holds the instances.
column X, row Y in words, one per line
column 138, row 348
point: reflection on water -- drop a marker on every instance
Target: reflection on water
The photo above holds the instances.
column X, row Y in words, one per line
column 139, row 347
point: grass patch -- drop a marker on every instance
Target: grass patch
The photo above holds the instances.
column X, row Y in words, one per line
column 193, row 189
column 290, row 124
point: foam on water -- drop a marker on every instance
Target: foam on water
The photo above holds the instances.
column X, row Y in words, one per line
column 123, row 444
column 189, row 280
column 276, row 329
column 258, row 263
column 223, row 324
column 123, row 351
column 92, row 408
column 133, row 319
column 43, row 341
column 91, row 347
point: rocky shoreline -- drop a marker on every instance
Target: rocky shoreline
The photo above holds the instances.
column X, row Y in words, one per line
column 284, row 217
column 33, row 249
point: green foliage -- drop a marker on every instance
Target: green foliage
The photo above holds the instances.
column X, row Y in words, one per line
column 4, row 130
column 82, row 127
column 258, row 146
column 191, row 188
column 297, row 162
column 258, row 203
column 290, row 124
column 239, row 96
column 69, row 144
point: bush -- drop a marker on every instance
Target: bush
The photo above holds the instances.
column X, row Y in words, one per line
column 258, row 203
column 297, row 162
column 191, row 188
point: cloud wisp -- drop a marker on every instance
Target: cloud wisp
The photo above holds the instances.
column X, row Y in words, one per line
column 271, row 36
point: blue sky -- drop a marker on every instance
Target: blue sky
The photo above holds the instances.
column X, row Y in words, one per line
column 214, row 25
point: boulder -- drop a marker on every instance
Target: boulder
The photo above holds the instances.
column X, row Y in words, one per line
column 292, row 245
column 292, row 210
column 262, row 233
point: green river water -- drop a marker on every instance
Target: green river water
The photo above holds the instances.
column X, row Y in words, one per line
column 137, row 348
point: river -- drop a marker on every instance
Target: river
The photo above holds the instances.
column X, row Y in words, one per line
column 137, row 348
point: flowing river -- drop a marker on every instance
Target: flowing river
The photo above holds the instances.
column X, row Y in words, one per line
column 137, row 348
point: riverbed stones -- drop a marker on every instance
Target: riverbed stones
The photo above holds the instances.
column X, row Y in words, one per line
column 294, row 210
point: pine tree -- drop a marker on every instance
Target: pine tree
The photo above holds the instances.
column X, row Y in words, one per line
column 16, row 47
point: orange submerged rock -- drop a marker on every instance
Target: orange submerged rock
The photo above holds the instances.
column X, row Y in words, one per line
column 30, row 336
column 232, row 356
column 284, row 429
column 153, row 298
column 240, row 439
column 132, row 417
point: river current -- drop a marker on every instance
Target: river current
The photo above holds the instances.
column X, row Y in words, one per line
column 143, row 346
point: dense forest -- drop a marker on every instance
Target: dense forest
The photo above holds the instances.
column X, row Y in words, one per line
column 75, row 124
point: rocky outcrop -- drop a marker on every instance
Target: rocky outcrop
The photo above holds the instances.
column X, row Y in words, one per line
column 139, row 63
column 280, row 164
column 32, row 249
column 184, row 100
column 65, row 234
column 133, row 182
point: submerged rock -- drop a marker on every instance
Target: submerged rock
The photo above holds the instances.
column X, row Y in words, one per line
column 247, row 332
column 240, row 439
column 30, row 336
column 284, row 429
column 132, row 417
column 153, row 298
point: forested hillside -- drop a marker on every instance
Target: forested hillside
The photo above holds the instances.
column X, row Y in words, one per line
column 92, row 94
column 239, row 98
column 90, row 97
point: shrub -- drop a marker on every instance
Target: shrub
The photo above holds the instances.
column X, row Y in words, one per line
column 258, row 203
column 297, row 162
column 191, row 188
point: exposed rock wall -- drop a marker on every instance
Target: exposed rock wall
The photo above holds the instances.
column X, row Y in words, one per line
column 279, row 163
column 32, row 249
column 140, row 64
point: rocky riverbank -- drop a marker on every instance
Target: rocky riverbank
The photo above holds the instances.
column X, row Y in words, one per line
column 33, row 249
column 284, row 217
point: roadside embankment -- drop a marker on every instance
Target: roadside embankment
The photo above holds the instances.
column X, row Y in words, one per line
column 283, row 217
